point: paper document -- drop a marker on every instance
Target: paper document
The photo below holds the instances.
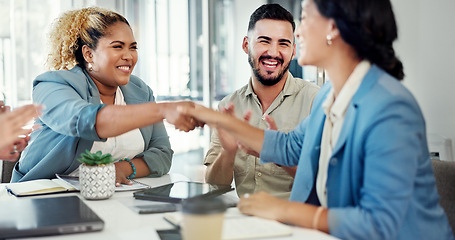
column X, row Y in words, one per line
column 74, row 181
column 238, row 226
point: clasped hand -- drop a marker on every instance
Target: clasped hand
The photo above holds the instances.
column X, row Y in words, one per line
column 183, row 122
column 229, row 143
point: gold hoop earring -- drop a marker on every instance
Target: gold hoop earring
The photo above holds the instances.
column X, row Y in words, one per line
column 329, row 40
column 90, row 67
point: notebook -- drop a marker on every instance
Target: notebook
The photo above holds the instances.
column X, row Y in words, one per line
column 62, row 183
column 39, row 186
column 178, row 191
column 46, row 216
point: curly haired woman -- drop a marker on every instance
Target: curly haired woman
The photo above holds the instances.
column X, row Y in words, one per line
column 93, row 102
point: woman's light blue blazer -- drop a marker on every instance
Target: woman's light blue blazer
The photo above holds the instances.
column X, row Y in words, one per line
column 380, row 181
column 72, row 101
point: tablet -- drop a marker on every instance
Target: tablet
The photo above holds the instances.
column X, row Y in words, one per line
column 178, row 191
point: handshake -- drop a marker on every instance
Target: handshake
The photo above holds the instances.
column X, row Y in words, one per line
column 186, row 116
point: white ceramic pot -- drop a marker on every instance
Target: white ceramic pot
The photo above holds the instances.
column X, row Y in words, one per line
column 97, row 182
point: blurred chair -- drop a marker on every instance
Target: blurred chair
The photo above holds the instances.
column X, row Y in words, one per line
column 444, row 172
column 7, row 170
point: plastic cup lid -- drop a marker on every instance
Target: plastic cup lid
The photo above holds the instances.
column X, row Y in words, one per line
column 203, row 206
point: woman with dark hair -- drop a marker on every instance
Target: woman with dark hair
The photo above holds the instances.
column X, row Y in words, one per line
column 364, row 169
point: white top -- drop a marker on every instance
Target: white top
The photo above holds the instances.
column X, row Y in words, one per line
column 126, row 145
column 335, row 110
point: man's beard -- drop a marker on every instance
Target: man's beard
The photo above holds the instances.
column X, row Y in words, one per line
column 263, row 79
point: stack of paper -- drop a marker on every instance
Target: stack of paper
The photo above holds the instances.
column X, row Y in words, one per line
column 237, row 226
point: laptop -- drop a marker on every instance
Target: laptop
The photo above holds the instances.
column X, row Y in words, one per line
column 46, row 216
column 179, row 191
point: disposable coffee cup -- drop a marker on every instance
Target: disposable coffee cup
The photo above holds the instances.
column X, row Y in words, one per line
column 202, row 219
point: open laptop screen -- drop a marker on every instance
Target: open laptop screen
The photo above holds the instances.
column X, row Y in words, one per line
column 46, row 216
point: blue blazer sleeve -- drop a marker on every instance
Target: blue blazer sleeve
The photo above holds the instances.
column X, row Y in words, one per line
column 70, row 109
column 293, row 142
column 273, row 150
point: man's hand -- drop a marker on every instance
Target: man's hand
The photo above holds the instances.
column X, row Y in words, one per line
column 272, row 126
column 181, row 121
column 228, row 142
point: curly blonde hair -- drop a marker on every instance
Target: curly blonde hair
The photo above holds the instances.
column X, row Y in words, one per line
column 74, row 29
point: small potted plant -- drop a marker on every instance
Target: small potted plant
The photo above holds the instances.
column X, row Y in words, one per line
column 96, row 175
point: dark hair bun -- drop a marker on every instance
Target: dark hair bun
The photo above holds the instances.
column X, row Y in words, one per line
column 369, row 27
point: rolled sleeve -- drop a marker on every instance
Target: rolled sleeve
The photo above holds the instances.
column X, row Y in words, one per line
column 283, row 148
column 268, row 153
column 159, row 154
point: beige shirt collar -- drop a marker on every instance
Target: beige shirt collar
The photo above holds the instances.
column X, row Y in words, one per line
column 288, row 89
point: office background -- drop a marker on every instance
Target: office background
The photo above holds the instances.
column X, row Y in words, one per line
column 191, row 49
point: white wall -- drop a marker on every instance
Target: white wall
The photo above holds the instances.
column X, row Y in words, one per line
column 426, row 45
column 243, row 10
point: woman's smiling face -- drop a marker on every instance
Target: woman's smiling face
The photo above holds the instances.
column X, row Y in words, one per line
column 311, row 35
column 115, row 56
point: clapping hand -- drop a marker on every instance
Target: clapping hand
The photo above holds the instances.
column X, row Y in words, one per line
column 272, row 126
column 12, row 130
column 228, row 142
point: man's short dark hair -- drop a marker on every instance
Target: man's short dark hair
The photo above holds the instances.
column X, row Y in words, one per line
column 271, row 11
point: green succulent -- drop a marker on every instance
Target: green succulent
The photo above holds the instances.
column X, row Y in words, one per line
column 97, row 158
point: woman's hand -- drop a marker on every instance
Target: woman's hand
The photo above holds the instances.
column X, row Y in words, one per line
column 12, row 123
column 12, row 152
column 263, row 205
column 250, row 136
column 181, row 121
column 122, row 171
column 202, row 114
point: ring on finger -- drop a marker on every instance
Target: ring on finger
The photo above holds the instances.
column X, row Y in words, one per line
column 14, row 150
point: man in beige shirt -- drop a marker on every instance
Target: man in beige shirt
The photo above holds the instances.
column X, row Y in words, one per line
column 271, row 91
